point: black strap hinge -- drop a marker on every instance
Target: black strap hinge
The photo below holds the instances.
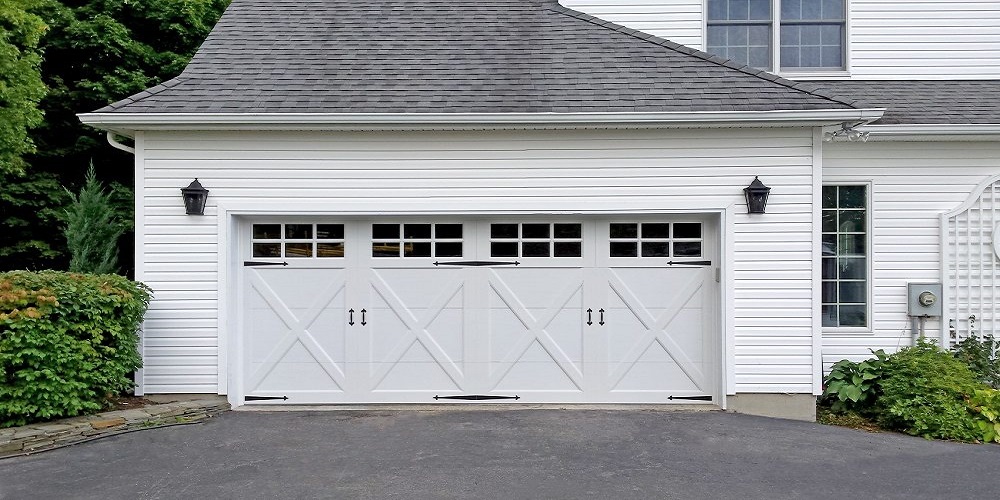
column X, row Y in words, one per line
column 250, row 263
column 264, row 398
column 691, row 398
column 476, row 397
column 477, row 263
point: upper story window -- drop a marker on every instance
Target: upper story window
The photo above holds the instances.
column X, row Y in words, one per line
column 810, row 35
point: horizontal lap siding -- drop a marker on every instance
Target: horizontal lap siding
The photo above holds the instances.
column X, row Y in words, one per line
column 925, row 38
column 680, row 21
column 485, row 171
column 889, row 39
column 912, row 184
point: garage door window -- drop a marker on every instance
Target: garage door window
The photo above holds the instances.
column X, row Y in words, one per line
column 417, row 240
column 298, row 240
column 656, row 239
column 536, row 239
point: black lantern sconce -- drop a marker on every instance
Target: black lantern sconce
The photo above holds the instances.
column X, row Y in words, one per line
column 195, row 196
column 756, row 194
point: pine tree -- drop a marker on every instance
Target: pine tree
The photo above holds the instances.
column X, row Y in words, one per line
column 92, row 229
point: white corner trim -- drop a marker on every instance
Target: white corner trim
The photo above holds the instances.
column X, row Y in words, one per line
column 124, row 123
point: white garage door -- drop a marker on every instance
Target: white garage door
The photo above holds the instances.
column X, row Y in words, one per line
column 530, row 310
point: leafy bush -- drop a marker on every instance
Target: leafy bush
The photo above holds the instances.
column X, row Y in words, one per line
column 92, row 229
column 853, row 386
column 924, row 392
column 67, row 341
column 983, row 358
column 985, row 404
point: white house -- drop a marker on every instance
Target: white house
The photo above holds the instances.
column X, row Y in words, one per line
column 522, row 201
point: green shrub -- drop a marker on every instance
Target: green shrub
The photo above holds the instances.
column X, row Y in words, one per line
column 92, row 229
column 854, row 386
column 67, row 341
column 982, row 356
column 924, row 392
column 985, row 404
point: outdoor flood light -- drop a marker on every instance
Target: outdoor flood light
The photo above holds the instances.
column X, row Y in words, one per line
column 195, row 196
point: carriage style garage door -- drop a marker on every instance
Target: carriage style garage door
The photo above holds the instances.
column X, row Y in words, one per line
column 535, row 310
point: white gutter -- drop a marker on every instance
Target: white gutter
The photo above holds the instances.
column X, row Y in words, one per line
column 126, row 122
column 934, row 132
column 117, row 145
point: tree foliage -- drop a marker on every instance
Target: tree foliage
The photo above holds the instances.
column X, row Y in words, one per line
column 21, row 86
column 96, row 52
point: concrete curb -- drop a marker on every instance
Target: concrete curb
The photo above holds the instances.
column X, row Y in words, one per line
column 35, row 438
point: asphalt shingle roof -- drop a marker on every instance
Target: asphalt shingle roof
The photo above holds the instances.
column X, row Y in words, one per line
column 928, row 102
column 453, row 56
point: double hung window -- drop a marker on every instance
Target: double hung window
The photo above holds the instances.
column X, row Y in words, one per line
column 809, row 35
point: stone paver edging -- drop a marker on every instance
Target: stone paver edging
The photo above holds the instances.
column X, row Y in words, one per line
column 34, row 438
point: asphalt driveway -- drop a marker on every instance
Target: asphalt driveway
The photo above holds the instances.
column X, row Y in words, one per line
column 505, row 454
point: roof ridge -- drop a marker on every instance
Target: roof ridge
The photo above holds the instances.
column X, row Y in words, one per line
column 156, row 89
column 684, row 49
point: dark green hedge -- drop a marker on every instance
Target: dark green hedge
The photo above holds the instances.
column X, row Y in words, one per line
column 67, row 342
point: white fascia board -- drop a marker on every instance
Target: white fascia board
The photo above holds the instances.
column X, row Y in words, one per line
column 934, row 132
column 128, row 122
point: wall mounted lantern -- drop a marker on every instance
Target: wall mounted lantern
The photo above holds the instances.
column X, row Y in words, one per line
column 195, row 196
column 756, row 194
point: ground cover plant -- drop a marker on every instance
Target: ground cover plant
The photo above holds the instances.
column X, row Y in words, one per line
column 68, row 341
column 921, row 390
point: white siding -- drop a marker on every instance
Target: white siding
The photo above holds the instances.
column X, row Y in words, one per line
column 889, row 39
column 485, row 172
column 680, row 21
column 925, row 39
column 912, row 184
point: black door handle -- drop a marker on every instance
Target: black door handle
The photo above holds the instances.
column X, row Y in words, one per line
column 350, row 316
column 590, row 319
column 601, row 322
column 363, row 323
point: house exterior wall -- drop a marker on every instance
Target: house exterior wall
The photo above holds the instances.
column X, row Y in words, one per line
column 912, row 184
column 772, row 345
column 888, row 39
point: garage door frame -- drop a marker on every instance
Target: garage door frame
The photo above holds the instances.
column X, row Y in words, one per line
column 230, row 221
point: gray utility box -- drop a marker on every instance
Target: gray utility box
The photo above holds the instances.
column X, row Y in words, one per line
column 923, row 299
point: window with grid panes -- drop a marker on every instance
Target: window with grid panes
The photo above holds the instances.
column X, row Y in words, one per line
column 811, row 34
column 845, row 256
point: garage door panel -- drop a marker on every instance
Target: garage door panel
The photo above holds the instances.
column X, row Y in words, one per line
column 294, row 332
column 657, row 348
column 420, row 340
column 541, row 345
column 536, row 369
column 417, row 370
column 308, row 371
column 654, row 370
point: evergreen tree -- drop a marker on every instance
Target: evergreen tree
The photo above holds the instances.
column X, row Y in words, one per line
column 92, row 231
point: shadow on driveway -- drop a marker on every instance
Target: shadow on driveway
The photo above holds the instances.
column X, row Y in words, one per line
column 505, row 454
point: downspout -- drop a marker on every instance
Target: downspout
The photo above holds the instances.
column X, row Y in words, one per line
column 117, row 145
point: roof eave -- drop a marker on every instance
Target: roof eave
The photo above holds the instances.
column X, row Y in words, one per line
column 125, row 123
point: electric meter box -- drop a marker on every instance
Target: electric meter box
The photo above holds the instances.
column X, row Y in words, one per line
column 924, row 299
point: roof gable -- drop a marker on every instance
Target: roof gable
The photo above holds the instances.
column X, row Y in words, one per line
column 453, row 56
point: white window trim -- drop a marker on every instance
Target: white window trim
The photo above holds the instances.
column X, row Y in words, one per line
column 804, row 74
column 869, row 329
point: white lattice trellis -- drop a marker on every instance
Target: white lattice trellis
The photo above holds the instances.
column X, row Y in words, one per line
column 970, row 265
